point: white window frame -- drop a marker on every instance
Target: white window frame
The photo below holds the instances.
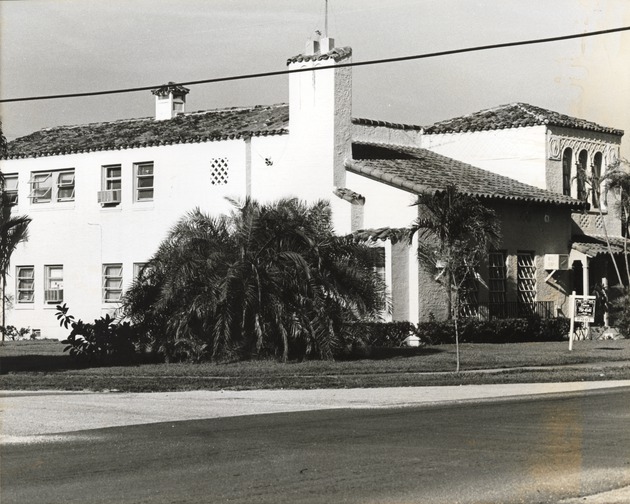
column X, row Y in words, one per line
column 19, row 287
column 54, row 185
column 10, row 189
column 109, row 181
column 108, row 290
column 139, row 190
column 52, row 282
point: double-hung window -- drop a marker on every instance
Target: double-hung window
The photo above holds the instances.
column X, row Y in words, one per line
column 143, row 181
column 111, row 185
column 11, row 188
column 53, row 281
column 50, row 186
column 112, row 283
column 25, row 284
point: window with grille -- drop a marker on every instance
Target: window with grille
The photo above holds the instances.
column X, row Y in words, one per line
column 52, row 186
column 112, row 283
column 25, row 288
column 497, row 282
column 11, row 188
column 219, row 171
column 143, row 179
column 526, row 281
column 469, row 296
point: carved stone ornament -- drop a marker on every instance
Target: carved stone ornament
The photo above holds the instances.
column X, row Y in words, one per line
column 554, row 148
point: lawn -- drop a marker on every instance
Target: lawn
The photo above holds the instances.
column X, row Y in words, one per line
column 31, row 365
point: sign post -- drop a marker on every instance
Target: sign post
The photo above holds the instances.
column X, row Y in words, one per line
column 582, row 311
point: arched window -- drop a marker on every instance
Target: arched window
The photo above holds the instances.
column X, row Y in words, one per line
column 596, row 172
column 581, row 175
column 567, row 160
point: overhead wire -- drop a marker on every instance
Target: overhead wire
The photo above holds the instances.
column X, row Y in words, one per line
column 338, row 65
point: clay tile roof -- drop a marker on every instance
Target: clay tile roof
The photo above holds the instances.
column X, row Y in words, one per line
column 514, row 115
column 594, row 245
column 349, row 195
column 337, row 54
column 418, row 170
column 373, row 122
column 171, row 87
column 193, row 127
column 382, row 234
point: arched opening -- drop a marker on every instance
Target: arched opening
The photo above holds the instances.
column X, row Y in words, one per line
column 567, row 161
column 596, row 172
column 581, row 175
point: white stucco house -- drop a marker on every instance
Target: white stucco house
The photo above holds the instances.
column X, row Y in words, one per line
column 102, row 196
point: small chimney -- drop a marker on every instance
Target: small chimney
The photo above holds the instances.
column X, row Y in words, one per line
column 312, row 48
column 170, row 100
column 326, row 44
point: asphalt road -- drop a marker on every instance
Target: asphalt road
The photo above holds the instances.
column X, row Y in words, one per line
column 534, row 450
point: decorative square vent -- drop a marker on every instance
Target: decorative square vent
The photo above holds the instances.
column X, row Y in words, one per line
column 219, row 171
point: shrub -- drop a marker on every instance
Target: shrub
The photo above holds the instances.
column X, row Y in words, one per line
column 620, row 314
column 100, row 342
column 14, row 333
column 516, row 330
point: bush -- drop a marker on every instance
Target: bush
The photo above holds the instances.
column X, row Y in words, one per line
column 13, row 333
column 103, row 341
column 620, row 314
column 361, row 338
column 517, row 330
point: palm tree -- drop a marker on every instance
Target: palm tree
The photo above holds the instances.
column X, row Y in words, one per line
column 617, row 180
column 267, row 279
column 13, row 230
column 455, row 232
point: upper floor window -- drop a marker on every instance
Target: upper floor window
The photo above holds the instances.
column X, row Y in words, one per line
column 143, row 181
column 111, row 185
column 50, row 186
column 567, row 162
column 219, row 171
column 11, row 188
column 581, row 175
column 596, row 173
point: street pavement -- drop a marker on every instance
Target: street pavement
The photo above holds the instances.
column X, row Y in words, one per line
column 40, row 417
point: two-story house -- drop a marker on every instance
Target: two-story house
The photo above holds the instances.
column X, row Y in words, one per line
column 102, row 196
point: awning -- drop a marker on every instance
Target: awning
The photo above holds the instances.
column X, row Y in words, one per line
column 595, row 245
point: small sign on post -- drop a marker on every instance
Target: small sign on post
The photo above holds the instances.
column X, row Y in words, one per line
column 582, row 311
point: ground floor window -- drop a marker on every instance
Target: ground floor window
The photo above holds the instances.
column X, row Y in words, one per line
column 112, row 283
column 53, row 281
column 25, row 288
column 526, row 282
column 497, row 284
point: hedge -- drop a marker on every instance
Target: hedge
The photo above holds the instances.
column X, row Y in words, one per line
column 362, row 336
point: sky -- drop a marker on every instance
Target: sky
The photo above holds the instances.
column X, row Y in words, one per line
column 66, row 46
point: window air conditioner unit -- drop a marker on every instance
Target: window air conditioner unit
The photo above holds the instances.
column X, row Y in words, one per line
column 110, row 196
column 53, row 295
column 556, row 261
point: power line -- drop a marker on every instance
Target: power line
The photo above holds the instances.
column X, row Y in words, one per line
column 340, row 65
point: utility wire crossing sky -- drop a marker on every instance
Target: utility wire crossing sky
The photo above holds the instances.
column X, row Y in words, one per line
column 354, row 64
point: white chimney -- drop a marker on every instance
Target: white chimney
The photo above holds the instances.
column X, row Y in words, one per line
column 170, row 100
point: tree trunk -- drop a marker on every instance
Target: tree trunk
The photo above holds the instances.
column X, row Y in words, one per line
column 4, row 285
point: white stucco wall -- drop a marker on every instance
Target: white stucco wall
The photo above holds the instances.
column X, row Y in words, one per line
column 519, row 153
column 386, row 206
column 82, row 235
column 377, row 133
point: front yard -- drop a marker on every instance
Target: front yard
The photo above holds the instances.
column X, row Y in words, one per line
column 38, row 365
